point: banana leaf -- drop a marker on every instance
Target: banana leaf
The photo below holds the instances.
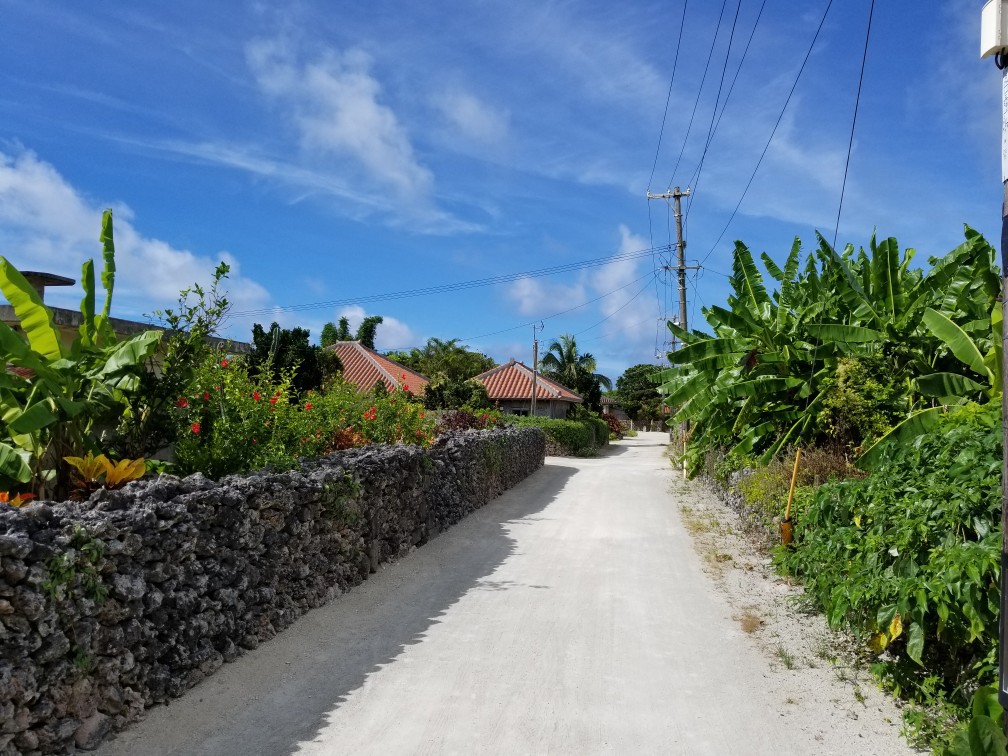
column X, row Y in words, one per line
column 962, row 346
column 87, row 306
column 36, row 318
column 34, row 418
column 848, row 334
column 13, row 465
column 938, row 385
column 916, row 425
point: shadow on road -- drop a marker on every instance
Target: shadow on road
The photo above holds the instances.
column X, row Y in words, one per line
column 274, row 699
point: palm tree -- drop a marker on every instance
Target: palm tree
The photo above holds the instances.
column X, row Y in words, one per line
column 563, row 364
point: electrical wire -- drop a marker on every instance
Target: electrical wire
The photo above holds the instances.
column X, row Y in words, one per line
column 562, row 312
column 444, row 288
column 857, row 101
column 689, row 128
column 717, row 100
column 668, row 97
column 695, row 179
column 780, row 117
column 625, row 304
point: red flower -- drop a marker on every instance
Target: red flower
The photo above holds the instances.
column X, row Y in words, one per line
column 419, row 434
column 255, row 396
column 182, row 402
column 206, row 396
column 421, row 415
column 307, row 405
column 273, row 399
column 254, row 442
column 405, row 387
column 195, row 427
column 224, row 363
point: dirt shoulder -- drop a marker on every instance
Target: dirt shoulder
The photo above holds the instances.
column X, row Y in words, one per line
column 818, row 665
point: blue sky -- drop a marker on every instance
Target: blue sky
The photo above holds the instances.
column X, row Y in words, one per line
column 335, row 150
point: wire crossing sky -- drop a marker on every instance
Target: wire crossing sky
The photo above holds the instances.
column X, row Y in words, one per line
column 465, row 170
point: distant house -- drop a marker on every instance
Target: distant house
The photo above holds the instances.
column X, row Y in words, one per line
column 364, row 368
column 611, row 407
column 510, row 387
column 68, row 322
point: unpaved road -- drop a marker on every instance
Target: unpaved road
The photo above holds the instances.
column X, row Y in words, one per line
column 570, row 616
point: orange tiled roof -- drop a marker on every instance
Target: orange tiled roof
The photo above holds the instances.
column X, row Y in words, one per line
column 364, row 367
column 513, row 380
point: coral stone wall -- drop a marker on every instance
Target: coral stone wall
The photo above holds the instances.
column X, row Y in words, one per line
column 129, row 599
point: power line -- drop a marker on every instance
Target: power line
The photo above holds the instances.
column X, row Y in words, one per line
column 562, row 312
column 625, row 304
column 772, row 133
column 857, row 101
column 717, row 99
column 710, row 55
column 695, row 179
column 668, row 97
column 444, row 288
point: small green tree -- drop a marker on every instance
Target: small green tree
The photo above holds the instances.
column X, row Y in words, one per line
column 637, row 392
column 280, row 351
column 565, row 365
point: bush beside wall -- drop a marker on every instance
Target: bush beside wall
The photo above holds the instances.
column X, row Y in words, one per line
column 568, row 438
column 111, row 605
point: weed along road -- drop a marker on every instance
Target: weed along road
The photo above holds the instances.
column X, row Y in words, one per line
column 570, row 616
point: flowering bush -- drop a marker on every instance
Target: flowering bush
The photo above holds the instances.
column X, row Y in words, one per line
column 456, row 420
column 229, row 422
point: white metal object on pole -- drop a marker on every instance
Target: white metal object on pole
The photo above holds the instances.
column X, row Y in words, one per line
column 993, row 27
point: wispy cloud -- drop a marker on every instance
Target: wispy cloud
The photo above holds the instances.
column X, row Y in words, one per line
column 533, row 296
column 46, row 224
column 334, row 103
column 472, row 119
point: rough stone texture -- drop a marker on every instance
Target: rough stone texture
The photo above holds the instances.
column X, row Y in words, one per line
column 129, row 599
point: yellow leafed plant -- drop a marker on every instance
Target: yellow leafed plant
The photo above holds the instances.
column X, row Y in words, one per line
column 95, row 472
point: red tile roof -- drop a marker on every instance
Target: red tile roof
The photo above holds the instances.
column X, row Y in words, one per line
column 513, row 380
column 364, row 367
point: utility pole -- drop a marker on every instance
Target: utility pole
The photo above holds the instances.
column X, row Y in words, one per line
column 535, row 363
column 994, row 41
column 676, row 196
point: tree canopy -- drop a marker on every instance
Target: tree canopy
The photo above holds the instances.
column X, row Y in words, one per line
column 565, row 365
column 637, row 392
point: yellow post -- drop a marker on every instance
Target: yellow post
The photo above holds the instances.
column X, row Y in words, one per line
column 786, row 527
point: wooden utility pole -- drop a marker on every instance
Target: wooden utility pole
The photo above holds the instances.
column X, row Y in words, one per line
column 994, row 41
column 535, row 364
column 676, row 196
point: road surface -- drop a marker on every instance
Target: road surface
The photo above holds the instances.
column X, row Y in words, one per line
column 570, row 616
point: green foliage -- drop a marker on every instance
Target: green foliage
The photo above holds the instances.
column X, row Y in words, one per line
column 79, row 565
column 148, row 424
column 910, row 556
column 983, row 735
column 366, row 331
column 859, row 402
column 580, row 438
column 568, row 367
column 278, row 352
column 444, row 359
column 637, row 392
column 445, row 393
column 73, row 392
column 765, row 376
column 230, row 422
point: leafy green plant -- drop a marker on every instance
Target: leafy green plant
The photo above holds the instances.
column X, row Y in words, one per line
column 70, row 392
column 909, row 557
column 983, row 735
column 580, row 438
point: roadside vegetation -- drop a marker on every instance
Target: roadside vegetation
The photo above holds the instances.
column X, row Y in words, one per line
column 887, row 377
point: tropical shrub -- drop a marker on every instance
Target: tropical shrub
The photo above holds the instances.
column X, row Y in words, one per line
column 281, row 351
column 768, row 371
column 229, row 422
column 63, row 397
column 909, row 557
column 460, row 420
column 576, row 437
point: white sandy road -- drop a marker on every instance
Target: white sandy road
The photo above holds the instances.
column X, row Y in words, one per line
column 570, row 616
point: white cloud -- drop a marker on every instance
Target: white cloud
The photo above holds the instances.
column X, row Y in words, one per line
column 334, row 103
column 473, row 119
column 536, row 297
column 46, row 224
column 392, row 333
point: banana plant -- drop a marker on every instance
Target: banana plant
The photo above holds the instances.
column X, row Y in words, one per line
column 756, row 382
column 71, row 389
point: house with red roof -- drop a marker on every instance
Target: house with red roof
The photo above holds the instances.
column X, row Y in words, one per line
column 364, row 368
column 510, row 387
